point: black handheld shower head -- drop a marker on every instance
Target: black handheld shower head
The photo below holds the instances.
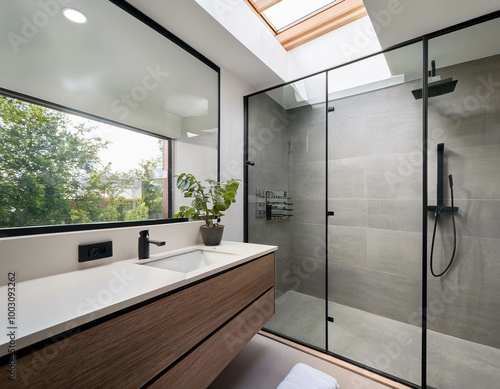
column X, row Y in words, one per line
column 450, row 178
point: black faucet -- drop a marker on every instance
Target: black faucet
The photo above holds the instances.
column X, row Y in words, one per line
column 144, row 244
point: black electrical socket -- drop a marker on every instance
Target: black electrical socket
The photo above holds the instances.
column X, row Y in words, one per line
column 90, row 252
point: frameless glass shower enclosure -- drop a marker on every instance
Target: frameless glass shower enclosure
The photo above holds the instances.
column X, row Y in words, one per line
column 385, row 260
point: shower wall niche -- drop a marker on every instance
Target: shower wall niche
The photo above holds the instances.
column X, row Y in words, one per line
column 353, row 153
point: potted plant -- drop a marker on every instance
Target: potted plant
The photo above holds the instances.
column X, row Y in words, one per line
column 208, row 204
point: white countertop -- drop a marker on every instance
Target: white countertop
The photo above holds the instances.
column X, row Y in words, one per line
column 51, row 305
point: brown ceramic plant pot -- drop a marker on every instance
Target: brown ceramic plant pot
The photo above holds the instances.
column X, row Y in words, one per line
column 212, row 235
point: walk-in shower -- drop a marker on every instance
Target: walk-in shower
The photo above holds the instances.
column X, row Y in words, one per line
column 360, row 199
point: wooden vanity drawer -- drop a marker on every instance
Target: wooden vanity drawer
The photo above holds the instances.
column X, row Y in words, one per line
column 203, row 364
column 131, row 349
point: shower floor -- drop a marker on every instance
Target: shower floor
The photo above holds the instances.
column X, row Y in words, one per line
column 385, row 344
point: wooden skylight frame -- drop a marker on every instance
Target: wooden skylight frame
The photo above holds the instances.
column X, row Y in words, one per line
column 337, row 15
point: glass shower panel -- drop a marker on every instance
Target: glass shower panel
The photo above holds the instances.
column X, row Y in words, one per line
column 464, row 141
column 287, row 201
column 375, row 191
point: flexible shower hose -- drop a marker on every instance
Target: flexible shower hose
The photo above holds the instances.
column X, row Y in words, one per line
column 438, row 213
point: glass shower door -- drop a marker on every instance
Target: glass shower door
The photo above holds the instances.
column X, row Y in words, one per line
column 375, row 193
column 287, row 201
column 463, row 333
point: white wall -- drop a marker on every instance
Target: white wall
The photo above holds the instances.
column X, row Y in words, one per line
column 233, row 89
column 49, row 254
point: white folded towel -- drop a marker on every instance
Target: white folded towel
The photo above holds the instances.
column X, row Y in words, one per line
column 288, row 385
column 305, row 377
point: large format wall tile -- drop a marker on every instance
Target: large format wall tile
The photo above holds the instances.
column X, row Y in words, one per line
column 475, row 264
column 399, row 132
column 310, row 211
column 397, row 252
column 267, row 140
column 308, row 144
column 308, row 276
column 396, row 182
column 465, row 312
column 480, row 218
column 308, row 180
column 308, row 240
column 347, row 245
column 393, row 214
column 347, row 138
column 347, row 183
column 386, row 100
column 348, row 212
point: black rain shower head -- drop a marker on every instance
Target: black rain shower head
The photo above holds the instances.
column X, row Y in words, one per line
column 436, row 88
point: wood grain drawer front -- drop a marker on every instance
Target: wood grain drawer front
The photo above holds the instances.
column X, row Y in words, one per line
column 131, row 349
column 200, row 367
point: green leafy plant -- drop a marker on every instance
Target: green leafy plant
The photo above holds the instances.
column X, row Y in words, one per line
column 209, row 201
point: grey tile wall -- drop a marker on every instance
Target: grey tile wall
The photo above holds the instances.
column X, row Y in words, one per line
column 307, row 176
column 467, row 299
column 375, row 237
column 268, row 149
column 375, row 184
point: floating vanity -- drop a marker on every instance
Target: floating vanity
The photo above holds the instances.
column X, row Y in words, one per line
column 174, row 320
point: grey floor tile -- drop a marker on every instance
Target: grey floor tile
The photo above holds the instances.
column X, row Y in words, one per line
column 299, row 316
column 385, row 294
column 387, row 345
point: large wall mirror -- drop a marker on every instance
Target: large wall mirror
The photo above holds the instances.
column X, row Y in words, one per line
column 100, row 109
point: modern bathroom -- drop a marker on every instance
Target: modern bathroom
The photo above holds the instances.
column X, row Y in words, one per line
column 349, row 151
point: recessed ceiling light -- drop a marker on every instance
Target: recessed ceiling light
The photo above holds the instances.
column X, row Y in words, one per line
column 74, row 15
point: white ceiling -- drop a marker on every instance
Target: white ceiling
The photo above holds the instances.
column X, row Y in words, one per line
column 190, row 22
column 402, row 20
column 407, row 20
column 91, row 67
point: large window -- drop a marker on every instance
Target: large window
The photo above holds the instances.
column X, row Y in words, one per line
column 97, row 117
column 57, row 168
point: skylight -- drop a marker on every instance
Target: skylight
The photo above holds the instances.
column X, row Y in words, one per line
column 295, row 22
column 289, row 12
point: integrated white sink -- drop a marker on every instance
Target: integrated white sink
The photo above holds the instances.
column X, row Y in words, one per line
column 190, row 261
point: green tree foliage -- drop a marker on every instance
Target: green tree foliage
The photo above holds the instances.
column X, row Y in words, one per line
column 51, row 173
